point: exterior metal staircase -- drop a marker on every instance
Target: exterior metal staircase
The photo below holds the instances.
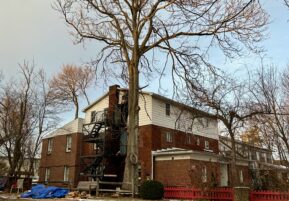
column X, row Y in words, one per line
column 92, row 164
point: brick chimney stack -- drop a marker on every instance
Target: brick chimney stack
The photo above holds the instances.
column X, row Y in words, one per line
column 113, row 95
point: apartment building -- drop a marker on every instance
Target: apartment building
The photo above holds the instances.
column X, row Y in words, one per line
column 177, row 144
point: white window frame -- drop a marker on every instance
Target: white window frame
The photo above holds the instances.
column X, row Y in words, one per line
column 169, row 136
column 66, row 173
column 204, row 174
column 189, row 140
column 241, row 176
column 47, row 174
column 207, row 144
column 198, row 141
column 68, row 143
column 49, row 146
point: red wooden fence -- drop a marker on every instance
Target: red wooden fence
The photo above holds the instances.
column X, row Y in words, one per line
column 191, row 193
column 269, row 196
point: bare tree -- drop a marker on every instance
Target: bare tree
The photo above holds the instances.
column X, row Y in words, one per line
column 228, row 100
column 135, row 33
column 27, row 113
column 70, row 84
column 272, row 91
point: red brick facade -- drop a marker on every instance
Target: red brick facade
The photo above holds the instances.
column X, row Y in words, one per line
column 186, row 172
column 59, row 158
column 152, row 137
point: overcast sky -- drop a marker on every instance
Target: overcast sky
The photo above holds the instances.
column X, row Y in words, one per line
column 32, row 30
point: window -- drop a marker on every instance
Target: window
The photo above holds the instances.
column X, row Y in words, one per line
column 207, row 145
column 49, row 147
column 66, row 173
column 47, row 174
column 68, row 143
column 168, row 109
column 257, row 156
column 241, row 176
column 198, row 141
column 204, row 174
column 205, row 123
column 93, row 116
column 188, row 140
column 169, row 137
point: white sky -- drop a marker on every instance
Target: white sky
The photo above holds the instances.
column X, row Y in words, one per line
column 32, row 30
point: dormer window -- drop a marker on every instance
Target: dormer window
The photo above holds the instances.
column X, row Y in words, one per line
column 168, row 109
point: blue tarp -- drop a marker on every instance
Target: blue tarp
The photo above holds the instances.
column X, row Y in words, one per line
column 40, row 191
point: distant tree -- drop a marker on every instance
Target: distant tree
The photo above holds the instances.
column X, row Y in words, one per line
column 136, row 33
column 70, row 84
column 252, row 135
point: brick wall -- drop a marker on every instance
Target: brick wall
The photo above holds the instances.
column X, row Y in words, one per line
column 59, row 158
column 246, row 175
column 152, row 137
column 185, row 172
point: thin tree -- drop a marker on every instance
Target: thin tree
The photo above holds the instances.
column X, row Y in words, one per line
column 136, row 33
column 70, row 84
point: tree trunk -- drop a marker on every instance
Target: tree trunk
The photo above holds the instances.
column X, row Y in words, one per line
column 75, row 101
column 233, row 172
column 131, row 163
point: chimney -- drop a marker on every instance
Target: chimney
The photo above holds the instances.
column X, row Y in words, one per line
column 113, row 96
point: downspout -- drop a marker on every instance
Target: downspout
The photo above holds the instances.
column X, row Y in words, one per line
column 152, row 167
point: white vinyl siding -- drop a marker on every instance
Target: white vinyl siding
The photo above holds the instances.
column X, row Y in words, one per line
column 159, row 118
column 145, row 113
column 100, row 106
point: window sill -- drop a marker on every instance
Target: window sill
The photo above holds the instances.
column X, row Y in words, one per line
column 209, row 150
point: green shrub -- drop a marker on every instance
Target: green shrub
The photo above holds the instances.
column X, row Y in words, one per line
column 151, row 190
